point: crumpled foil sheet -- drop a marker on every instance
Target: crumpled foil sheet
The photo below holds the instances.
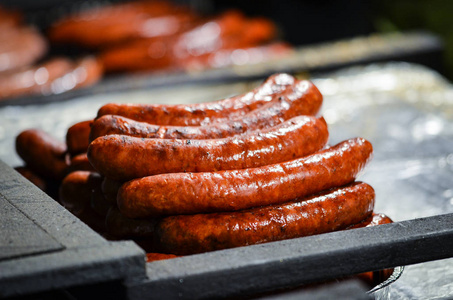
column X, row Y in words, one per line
column 405, row 110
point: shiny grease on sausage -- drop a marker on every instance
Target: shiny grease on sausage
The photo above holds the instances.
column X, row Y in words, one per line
column 201, row 113
column 230, row 190
column 123, row 157
column 42, row 153
column 333, row 210
column 302, row 98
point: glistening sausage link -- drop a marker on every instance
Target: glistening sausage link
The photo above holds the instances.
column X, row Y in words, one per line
column 303, row 98
column 330, row 211
column 201, row 113
column 78, row 136
column 230, row 190
column 42, row 153
column 123, row 157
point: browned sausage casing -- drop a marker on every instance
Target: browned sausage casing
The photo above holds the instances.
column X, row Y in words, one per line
column 122, row 227
column 76, row 189
column 373, row 220
column 98, row 203
column 330, row 211
column 150, row 257
column 230, row 190
column 42, row 153
column 123, row 157
column 78, row 137
column 201, row 113
column 303, row 98
column 80, row 162
column 110, row 189
column 32, row 177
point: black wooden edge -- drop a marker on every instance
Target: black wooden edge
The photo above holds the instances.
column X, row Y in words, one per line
column 53, row 218
column 416, row 47
column 71, row 267
column 291, row 263
column 85, row 257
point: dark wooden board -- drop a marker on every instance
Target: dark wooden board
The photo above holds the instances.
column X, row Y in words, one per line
column 63, row 251
column 20, row 235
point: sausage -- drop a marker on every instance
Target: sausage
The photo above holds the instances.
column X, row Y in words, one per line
column 228, row 57
column 303, row 98
column 32, row 177
column 34, row 79
column 53, row 76
column 150, row 257
column 80, row 162
column 78, row 136
column 120, row 226
column 330, row 211
column 201, row 113
column 231, row 190
column 42, row 153
column 110, row 189
column 112, row 24
column 225, row 31
column 86, row 72
column 373, row 220
column 9, row 18
column 98, row 203
column 20, row 47
column 76, row 189
column 123, row 157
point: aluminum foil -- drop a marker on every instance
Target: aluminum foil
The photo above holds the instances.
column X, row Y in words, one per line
column 405, row 110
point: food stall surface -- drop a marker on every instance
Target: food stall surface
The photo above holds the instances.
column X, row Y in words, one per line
column 405, row 111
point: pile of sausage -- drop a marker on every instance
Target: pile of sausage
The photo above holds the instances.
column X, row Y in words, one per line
column 161, row 35
column 185, row 179
column 25, row 68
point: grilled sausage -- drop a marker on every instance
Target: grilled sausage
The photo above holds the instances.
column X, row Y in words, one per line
column 20, row 47
column 80, row 162
column 43, row 154
column 333, row 210
column 53, row 76
column 110, row 189
column 120, row 226
column 105, row 26
column 208, row 36
column 98, row 203
column 77, row 137
column 76, row 189
column 230, row 190
column 201, row 113
column 373, row 220
column 150, row 257
column 123, row 157
column 303, row 98
column 32, row 177
column 228, row 57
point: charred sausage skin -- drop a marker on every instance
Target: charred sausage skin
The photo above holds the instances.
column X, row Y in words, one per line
column 202, row 113
column 122, row 157
column 42, row 153
column 76, row 190
column 373, row 220
column 231, row 190
column 333, row 210
column 302, row 98
column 78, row 136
